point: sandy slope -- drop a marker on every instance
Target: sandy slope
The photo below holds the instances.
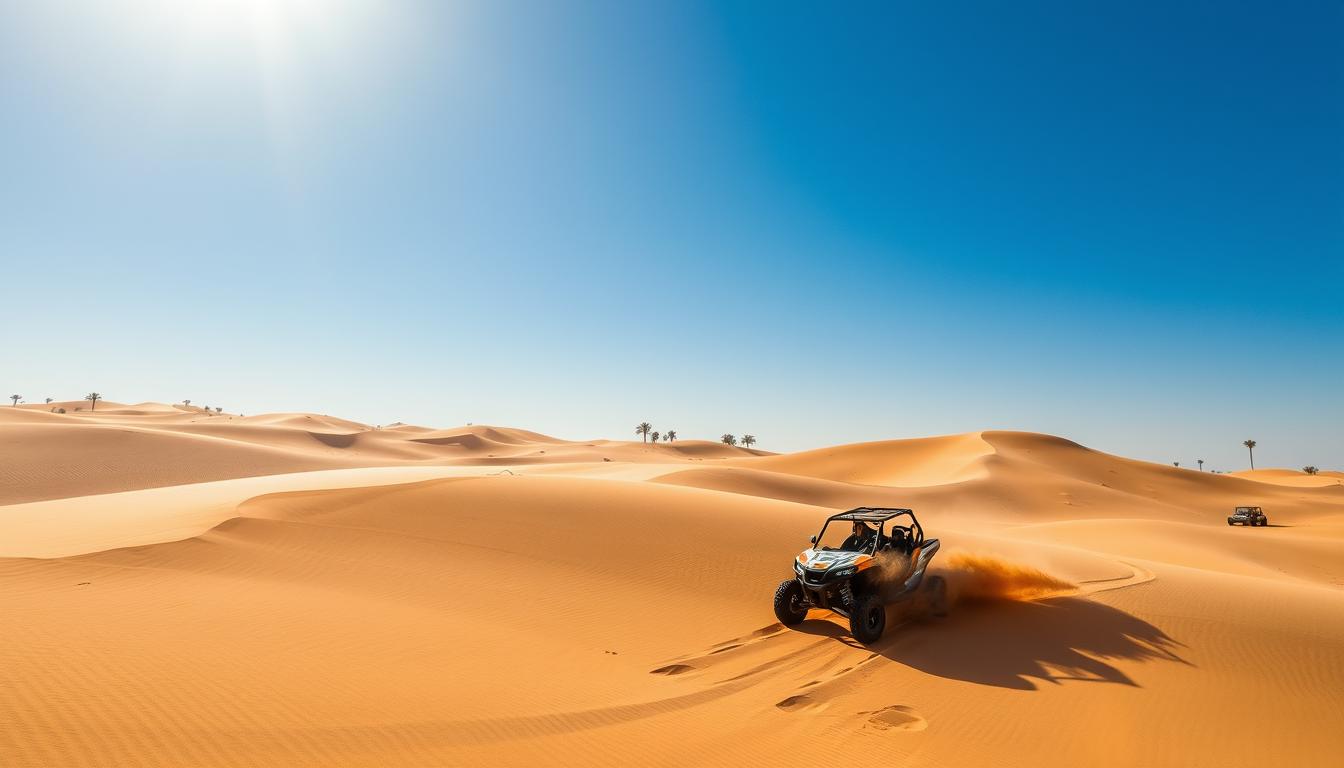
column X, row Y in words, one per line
column 1292, row 477
column 45, row 455
column 521, row 608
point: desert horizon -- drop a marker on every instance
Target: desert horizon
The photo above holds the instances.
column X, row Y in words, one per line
column 297, row 589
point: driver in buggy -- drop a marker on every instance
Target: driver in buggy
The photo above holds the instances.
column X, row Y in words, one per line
column 859, row 538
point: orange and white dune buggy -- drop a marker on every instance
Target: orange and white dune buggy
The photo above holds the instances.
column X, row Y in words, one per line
column 881, row 562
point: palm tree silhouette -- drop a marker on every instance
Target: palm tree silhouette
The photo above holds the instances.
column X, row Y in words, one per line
column 729, row 439
column 1310, row 470
column 93, row 398
column 644, row 429
column 671, row 436
column 1175, row 463
column 16, row 399
column 654, row 436
column 1201, row 464
column 48, row 399
column 1250, row 446
column 748, row 440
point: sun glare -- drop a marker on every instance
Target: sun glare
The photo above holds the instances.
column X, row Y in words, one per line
column 281, row 50
column 258, row 22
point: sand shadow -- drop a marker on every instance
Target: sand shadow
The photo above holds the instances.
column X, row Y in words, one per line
column 334, row 440
column 1012, row 644
column 825, row 625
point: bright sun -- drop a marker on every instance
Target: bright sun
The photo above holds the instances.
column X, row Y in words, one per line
column 265, row 21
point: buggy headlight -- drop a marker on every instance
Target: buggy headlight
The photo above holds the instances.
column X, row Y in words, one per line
column 843, row 572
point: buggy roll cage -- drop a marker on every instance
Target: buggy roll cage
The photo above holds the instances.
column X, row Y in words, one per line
column 879, row 515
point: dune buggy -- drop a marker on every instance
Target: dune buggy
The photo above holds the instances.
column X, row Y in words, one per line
column 881, row 562
column 1248, row 516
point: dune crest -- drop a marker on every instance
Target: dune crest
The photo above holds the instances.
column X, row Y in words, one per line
column 1291, row 477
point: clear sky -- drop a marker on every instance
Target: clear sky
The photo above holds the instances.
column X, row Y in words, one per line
column 1122, row 223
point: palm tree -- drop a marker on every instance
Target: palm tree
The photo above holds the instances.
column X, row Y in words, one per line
column 671, row 436
column 1201, row 464
column 1176, row 464
column 93, row 398
column 1310, row 470
column 729, row 439
column 644, row 429
column 654, row 436
column 748, row 440
column 16, row 399
column 1250, row 446
column 218, row 409
column 48, row 399
column 186, row 402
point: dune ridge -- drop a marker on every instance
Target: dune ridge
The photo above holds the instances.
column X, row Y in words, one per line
column 124, row 448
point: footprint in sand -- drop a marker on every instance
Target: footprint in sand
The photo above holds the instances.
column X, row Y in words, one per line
column 798, row 703
column 895, row 718
column 766, row 631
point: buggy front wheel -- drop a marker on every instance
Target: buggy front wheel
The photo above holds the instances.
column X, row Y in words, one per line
column 790, row 605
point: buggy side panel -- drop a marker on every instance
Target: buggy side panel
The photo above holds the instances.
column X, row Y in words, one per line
column 922, row 557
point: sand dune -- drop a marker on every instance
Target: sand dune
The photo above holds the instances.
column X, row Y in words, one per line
column 1292, row 477
column 486, row 595
column 122, row 448
column 905, row 463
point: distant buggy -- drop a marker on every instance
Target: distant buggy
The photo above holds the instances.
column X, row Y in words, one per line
column 1248, row 516
column 861, row 561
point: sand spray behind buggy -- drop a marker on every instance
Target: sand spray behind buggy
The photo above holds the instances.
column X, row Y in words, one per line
column 970, row 577
column 973, row 577
column 909, row 587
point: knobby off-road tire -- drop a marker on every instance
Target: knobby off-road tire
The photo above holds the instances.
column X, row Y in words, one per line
column 789, row 606
column 937, row 587
column 868, row 620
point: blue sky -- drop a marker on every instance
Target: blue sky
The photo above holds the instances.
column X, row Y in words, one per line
column 1123, row 224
